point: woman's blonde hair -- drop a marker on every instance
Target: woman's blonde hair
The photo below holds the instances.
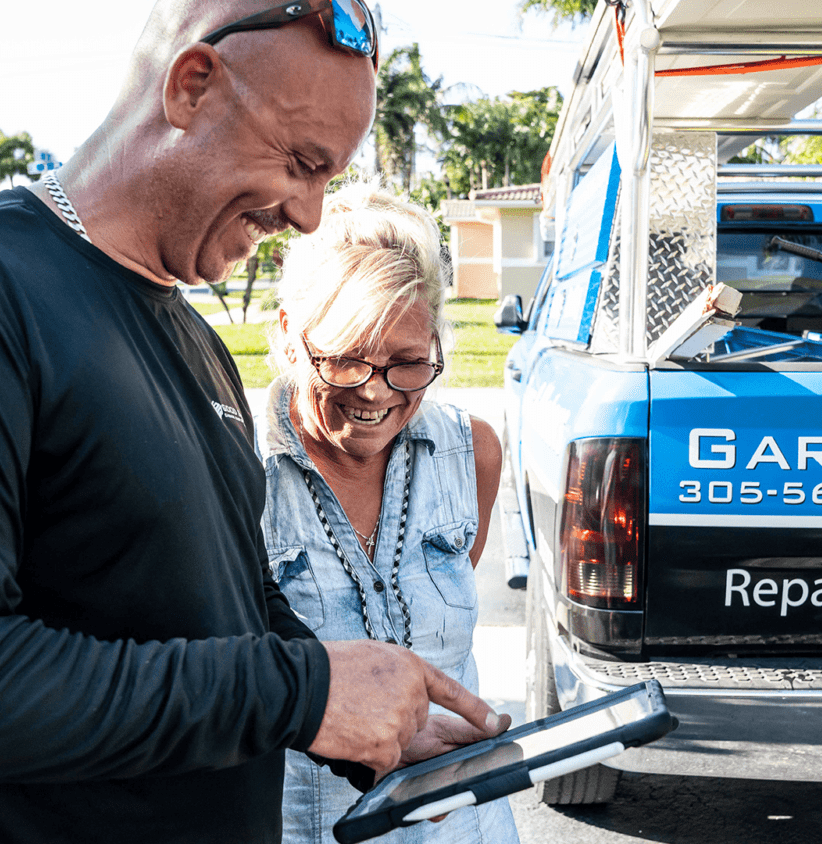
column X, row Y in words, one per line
column 373, row 256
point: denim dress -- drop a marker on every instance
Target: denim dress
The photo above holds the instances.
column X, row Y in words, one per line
column 436, row 581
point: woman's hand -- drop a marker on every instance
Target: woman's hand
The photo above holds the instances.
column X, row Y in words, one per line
column 442, row 733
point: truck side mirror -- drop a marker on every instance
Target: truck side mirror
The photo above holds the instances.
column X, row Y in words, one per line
column 508, row 317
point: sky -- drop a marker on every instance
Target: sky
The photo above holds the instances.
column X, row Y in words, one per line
column 61, row 63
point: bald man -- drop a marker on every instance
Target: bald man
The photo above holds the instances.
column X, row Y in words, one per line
column 151, row 673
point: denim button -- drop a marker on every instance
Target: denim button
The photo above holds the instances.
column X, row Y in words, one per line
column 378, row 586
column 458, row 542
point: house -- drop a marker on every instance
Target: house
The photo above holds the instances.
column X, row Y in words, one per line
column 497, row 246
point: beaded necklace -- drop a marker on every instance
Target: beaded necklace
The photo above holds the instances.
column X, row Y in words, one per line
column 346, row 564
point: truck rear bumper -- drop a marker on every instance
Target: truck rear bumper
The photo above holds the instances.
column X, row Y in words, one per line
column 761, row 720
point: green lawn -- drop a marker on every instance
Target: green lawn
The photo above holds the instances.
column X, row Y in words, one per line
column 248, row 345
column 207, row 305
column 479, row 352
column 477, row 360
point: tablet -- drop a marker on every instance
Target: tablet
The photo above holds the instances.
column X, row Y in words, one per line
column 513, row 761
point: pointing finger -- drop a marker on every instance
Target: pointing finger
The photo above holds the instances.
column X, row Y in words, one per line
column 456, row 698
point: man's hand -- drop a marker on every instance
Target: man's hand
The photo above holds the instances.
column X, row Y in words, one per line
column 378, row 702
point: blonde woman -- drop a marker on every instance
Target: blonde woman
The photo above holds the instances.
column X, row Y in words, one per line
column 378, row 502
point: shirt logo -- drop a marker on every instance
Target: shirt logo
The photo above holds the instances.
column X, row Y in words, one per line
column 227, row 411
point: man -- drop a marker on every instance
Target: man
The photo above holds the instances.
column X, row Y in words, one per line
column 143, row 696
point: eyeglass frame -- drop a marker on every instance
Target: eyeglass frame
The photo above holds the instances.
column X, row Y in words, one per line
column 288, row 11
column 318, row 360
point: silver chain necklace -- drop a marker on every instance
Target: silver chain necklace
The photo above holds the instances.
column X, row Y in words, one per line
column 66, row 208
column 370, row 541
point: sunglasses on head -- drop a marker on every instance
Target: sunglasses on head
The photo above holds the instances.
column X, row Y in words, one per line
column 349, row 24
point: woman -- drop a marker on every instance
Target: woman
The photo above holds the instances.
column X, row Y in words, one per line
column 378, row 503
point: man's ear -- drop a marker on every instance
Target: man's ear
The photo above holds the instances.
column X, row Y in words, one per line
column 193, row 72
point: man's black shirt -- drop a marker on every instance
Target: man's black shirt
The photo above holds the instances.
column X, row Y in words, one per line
column 142, row 696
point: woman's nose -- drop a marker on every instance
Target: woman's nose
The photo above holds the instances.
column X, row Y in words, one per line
column 375, row 388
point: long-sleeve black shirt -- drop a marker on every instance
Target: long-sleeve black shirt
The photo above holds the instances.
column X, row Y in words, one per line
column 143, row 697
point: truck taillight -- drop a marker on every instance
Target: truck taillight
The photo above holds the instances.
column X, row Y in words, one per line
column 603, row 516
column 739, row 213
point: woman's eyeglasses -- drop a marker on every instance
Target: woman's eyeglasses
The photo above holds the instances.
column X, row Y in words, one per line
column 349, row 24
column 337, row 371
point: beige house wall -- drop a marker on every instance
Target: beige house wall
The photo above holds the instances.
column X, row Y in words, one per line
column 474, row 240
column 518, row 234
column 521, row 281
column 494, row 253
column 476, row 281
column 472, row 250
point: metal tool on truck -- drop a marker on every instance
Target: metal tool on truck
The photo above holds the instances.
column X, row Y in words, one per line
column 665, row 498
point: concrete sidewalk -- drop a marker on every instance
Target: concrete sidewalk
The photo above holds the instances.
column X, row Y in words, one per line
column 254, row 314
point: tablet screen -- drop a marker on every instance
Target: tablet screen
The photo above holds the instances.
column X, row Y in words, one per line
column 526, row 747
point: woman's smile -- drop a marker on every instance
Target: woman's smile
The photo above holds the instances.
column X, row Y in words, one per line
column 361, row 416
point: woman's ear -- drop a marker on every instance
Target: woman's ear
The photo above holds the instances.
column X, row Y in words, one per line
column 194, row 72
column 288, row 345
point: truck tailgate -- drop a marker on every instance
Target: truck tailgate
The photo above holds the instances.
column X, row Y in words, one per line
column 735, row 509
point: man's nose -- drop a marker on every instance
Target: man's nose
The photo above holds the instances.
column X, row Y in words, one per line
column 304, row 210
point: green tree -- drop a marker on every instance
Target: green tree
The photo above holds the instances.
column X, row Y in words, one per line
column 501, row 141
column 406, row 99
column 481, row 142
column 804, row 149
column 430, row 193
column 16, row 153
column 267, row 257
column 807, row 150
column 534, row 117
column 220, row 290
column 767, row 150
column 561, row 10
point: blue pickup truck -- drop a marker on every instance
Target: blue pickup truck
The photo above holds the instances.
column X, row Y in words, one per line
column 662, row 491
column 670, row 510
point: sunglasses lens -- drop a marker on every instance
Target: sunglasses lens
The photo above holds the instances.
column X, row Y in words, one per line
column 353, row 26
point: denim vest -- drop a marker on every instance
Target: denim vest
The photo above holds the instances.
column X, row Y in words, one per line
column 435, row 574
column 435, row 577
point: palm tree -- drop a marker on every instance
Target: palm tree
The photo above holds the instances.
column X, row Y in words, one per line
column 406, row 99
column 501, row 141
